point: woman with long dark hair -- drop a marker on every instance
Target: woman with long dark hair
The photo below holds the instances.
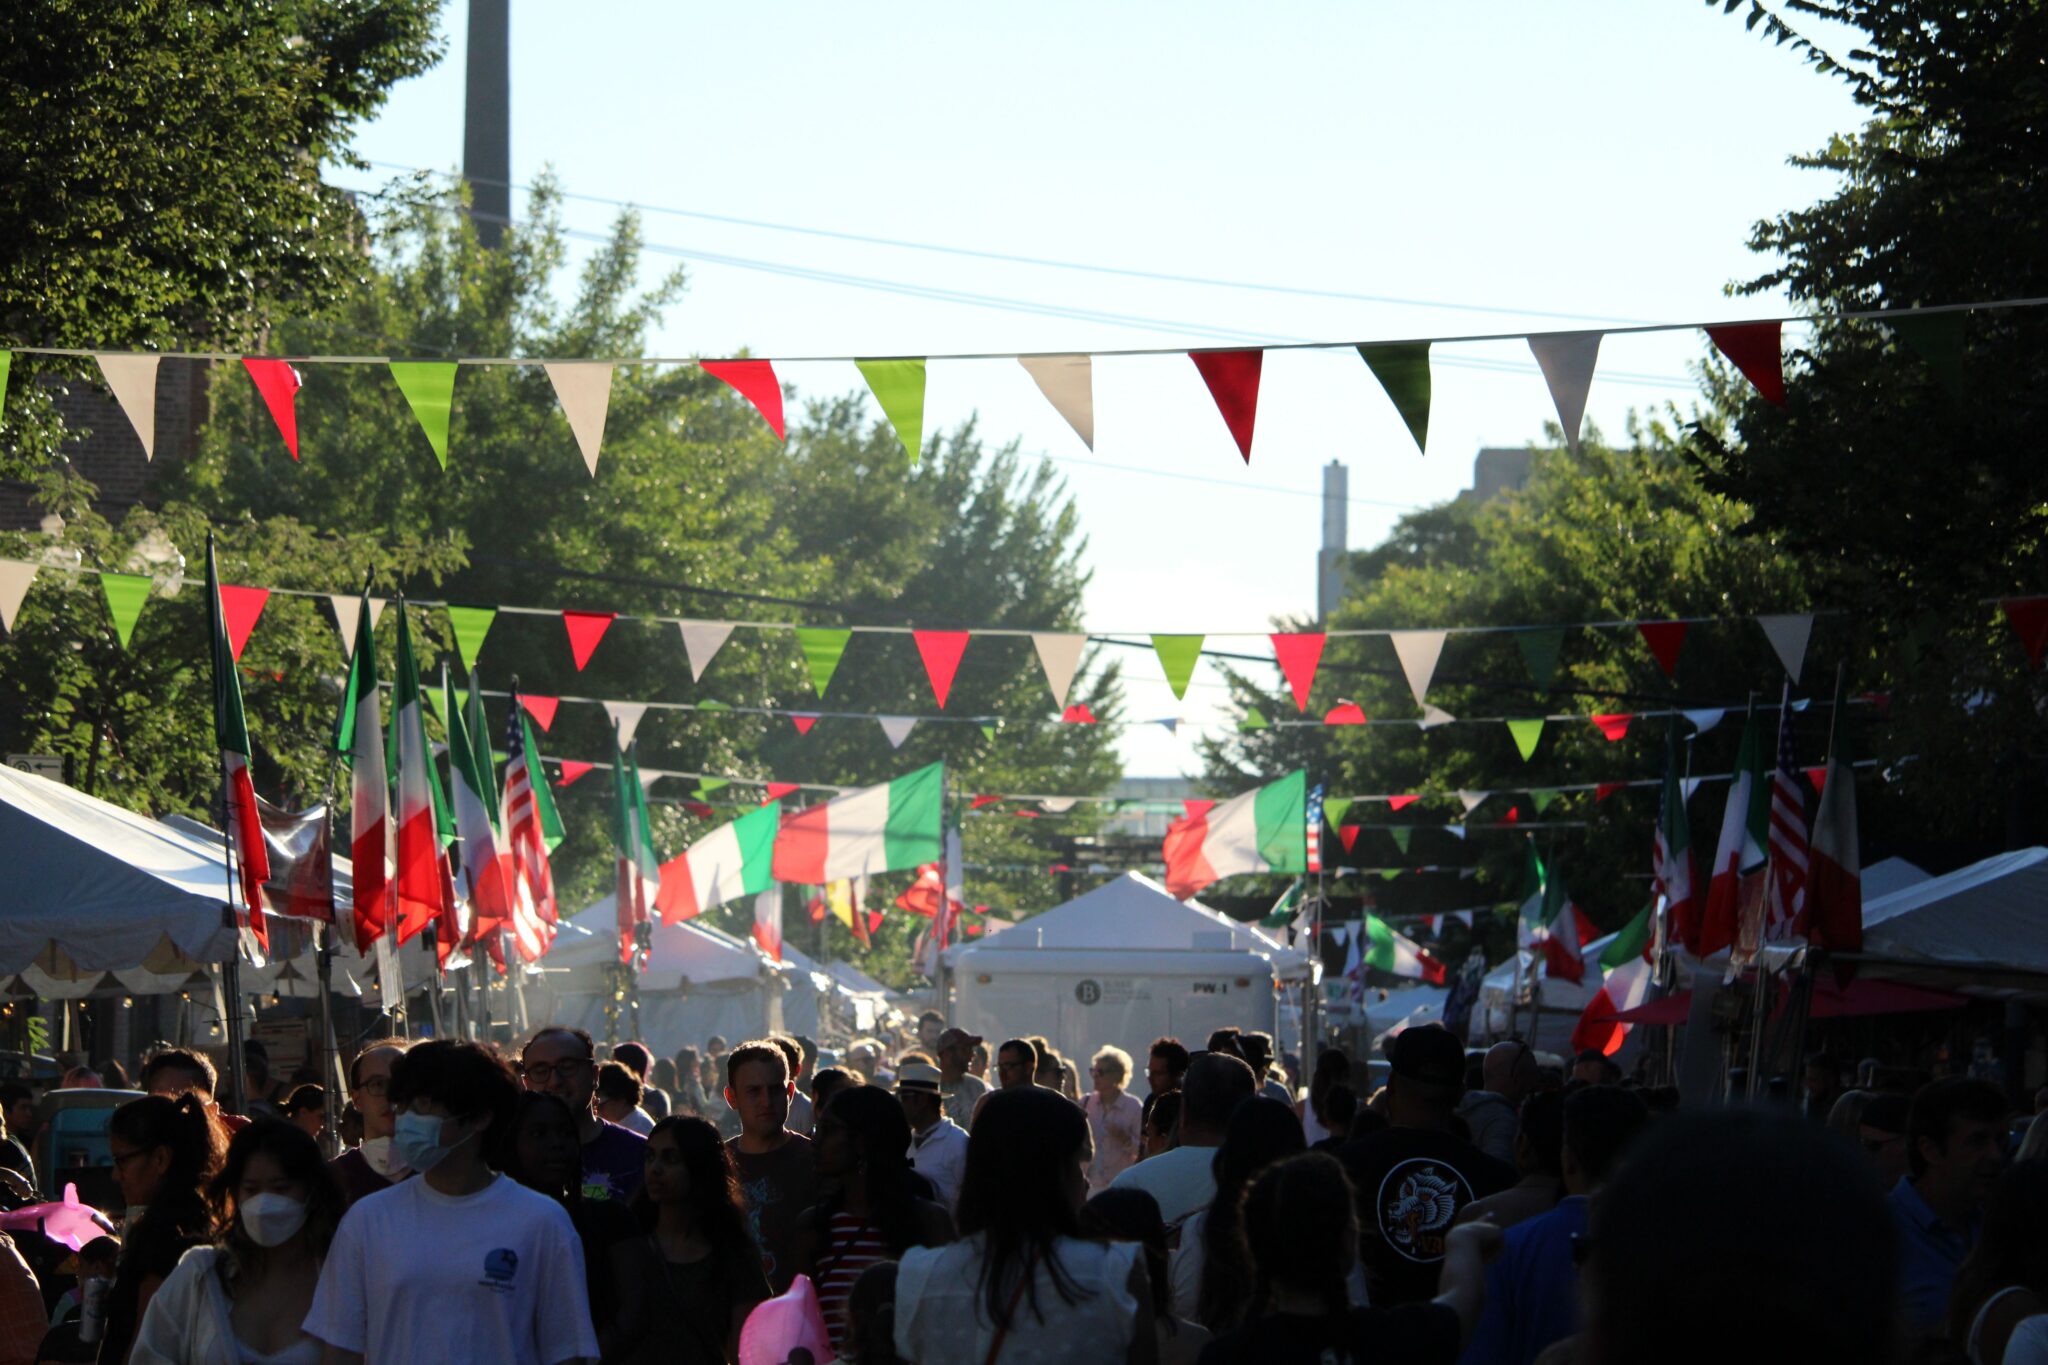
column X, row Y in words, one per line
column 543, row 1151
column 874, row 1212
column 245, row 1298
column 1211, row 1282
column 164, row 1151
column 1132, row 1215
column 2001, row 1291
column 1023, row 1284
column 707, row 1267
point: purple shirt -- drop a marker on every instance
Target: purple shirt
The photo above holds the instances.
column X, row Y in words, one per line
column 613, row 1162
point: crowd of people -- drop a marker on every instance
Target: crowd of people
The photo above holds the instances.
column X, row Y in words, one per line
column 945, row 1200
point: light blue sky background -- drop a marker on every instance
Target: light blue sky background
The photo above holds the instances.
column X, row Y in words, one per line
column 1471, row 166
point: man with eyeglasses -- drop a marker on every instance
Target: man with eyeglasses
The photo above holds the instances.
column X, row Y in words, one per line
column 563, row 1062
column 373, row 1166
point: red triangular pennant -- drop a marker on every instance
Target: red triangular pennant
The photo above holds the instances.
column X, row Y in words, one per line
column 1298, row 654
column 701, row 809
column 1605, row 790
column 1818, row 777
column 1195, row 807
column 981, row 801
column 1665, row 639
column 1514, row 816
column 2029, row 617
column 542, row 709
column 1401, row 802
column 1345, row 713
column 755, row 381
column 585, row 629
column 239, row 608
column 1233, row 380
column 1077, row 714
column 778, row 790
column 941, row 651
column 803, row 723
column 278, row 382
column 1757, row 351
column 1614, row 727
column 572, row 768
column 1349, row 834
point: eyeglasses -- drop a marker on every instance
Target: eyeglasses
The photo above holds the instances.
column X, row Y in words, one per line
column 543, row 1073
column 376, row 1085
column 120, row 1159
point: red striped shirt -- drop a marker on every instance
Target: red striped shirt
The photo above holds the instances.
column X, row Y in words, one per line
column 851, row 1246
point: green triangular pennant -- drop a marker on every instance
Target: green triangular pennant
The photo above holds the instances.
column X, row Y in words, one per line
column 1177, row 655
column 1403, row 371
column 470, row 624
column 126, row 592
column 1540, row 649
column 1938, row 340
column 1528, row 734
column 1544, row 797
column 429, row 386
column 898, row 385
column 708, row 785
column 1389, row 873
column 1334, row 808
column 822, row 649
column 988, row 732
column 1255, row 719
column 1402, row 834
column 713, row 706
column 6, row 363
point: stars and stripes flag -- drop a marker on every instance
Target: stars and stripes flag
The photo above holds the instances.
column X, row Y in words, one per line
column 1314, row 813
column 533, row 881
column 1785, row 892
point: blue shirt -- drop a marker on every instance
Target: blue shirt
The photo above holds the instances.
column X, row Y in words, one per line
column 1532, row 1289
column 1929, row 1253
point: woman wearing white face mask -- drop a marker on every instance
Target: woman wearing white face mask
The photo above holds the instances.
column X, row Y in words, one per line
column 241, row 1300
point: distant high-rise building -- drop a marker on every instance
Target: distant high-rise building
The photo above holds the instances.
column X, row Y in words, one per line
column 1336, row 540
column 487, row 118
column 1498, row 470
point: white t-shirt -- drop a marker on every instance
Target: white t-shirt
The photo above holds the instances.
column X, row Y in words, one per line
column 942, row 1318
column 417, row 1275
column 1181, row 1180
column 939, row 1154
column 2028, row 1344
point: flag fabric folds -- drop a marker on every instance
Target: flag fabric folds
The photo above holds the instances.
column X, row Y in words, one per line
column 731, row 862
column 417, row 887
column 1785, row 887
column 876, row 829
column 1628, row 976
column 533, row 879
column 1398, row 955
column 1745, row 830
column 1672, row 864
column 1262, row 830
column 231, row 735
column 359, row 741
column 1834, row 896
column 484, row 876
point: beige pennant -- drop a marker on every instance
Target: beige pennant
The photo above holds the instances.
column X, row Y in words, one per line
column 1068, row 383
column 1418, row 651
column 133, row 380
column 348, row 612
column 14, row 580
column 1059, row 656
column 584, row 389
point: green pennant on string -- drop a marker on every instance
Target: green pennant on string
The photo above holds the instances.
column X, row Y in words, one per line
column 470, row 624
column 429, row 386
column 1544, row 798
column 1938, row 340
column 126, row 592
column 708, row 785
column 822, row 649
column 1528, row 734
column 712, row 706
column 1402, row 834
column 6, row 363
column 1333, row 810
column 988, row 732
column 1403, row 371
column 1540, row 649
column 1389, row 873
column 1177, row 655
column 898, row 385
column 1255, row 719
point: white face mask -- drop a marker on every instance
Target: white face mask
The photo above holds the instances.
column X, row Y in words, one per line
column 382, row 1159
column 421, row 1140
column 272, row 1219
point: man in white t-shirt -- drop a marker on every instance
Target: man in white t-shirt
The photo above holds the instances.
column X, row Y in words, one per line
column 461, row 1264
column 938, row 1146
column 1181, row 1179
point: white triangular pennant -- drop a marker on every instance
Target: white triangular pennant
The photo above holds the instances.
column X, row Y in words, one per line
column 1463, row 916
column 625, row 716
column 1567, row 360
column 1455, row 831
column 584, row 389
column 14, row 580
column 1068, row 383
column 648, row 779
column 133, row 380
column 1059, row 656
column 1705, row 719
column 701, row 641
column 1788, row 636
column 1172, row 724
column 1470, row 799
column 347, row 612
column 377, row 605
column 897, row 728
column 1418, row 651
column 1058, row 805
column 1690, row 785
column 1433, row 716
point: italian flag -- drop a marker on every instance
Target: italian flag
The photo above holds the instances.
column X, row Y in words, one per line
column 639, row 870
column 1398, row 956
column 359, row 742
column 1566, row 930
column 876, row 829
column 231, row 733
column 1626, row 984
column 731, row 862
column 1672, row 856
column 485, row 882
column 1740, row 851
column 418, row 887
column 1530, row 926
column 1833, row 916
column 768, row 921
column 1262, row 830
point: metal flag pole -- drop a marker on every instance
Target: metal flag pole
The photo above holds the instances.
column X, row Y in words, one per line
column 231, row 970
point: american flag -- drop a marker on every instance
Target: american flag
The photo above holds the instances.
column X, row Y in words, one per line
column 533, row 881
column 1785, row 893
column 1315, row 828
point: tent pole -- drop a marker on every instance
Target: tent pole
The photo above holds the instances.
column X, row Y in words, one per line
column 330, row 1048
column 231, row 970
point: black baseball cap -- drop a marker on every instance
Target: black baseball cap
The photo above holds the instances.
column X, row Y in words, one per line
column 1428, row 1053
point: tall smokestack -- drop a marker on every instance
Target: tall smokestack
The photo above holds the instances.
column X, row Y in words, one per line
column 1336, row 540
column 487, row 118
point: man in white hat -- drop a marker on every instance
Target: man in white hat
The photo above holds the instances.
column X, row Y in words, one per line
column 938, row 1146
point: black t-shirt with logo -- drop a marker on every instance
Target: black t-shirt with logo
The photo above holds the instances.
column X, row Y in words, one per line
column 1411, row 1183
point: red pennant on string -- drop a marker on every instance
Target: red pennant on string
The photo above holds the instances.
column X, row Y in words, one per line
column 1614, row 727
column 1027, row 814
column 1665, row 639
column 585, row 629
column 1298, row 655
column 1349, row 834
column 1881, row 700
column 1195, row 807
column 941, row 651
column 239, row 608
column 278, row 382
column 778, row 790
column 2029, row 617
column 874, row 921
column 1401, row 802
column 1605, row 790
column 701, row 809
column 981, row 801
column 573, row 768
column 755, row 381
column 803, row 723
column 1818, row 777
column 1345, row 713
column 1077, row 714
column 1233, row 380
column 1756, row 350
column 542, row 709
column 1514, row 816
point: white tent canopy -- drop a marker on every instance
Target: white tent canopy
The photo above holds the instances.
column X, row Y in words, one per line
column 101, row 885
column 1133, row 914
column 1990, row 915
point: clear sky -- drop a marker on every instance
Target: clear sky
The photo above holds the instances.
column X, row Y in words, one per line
column 1466, row 167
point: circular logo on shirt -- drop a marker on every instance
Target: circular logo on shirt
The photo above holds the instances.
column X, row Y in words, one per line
column 1088, row 992
column 1417, row 1200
